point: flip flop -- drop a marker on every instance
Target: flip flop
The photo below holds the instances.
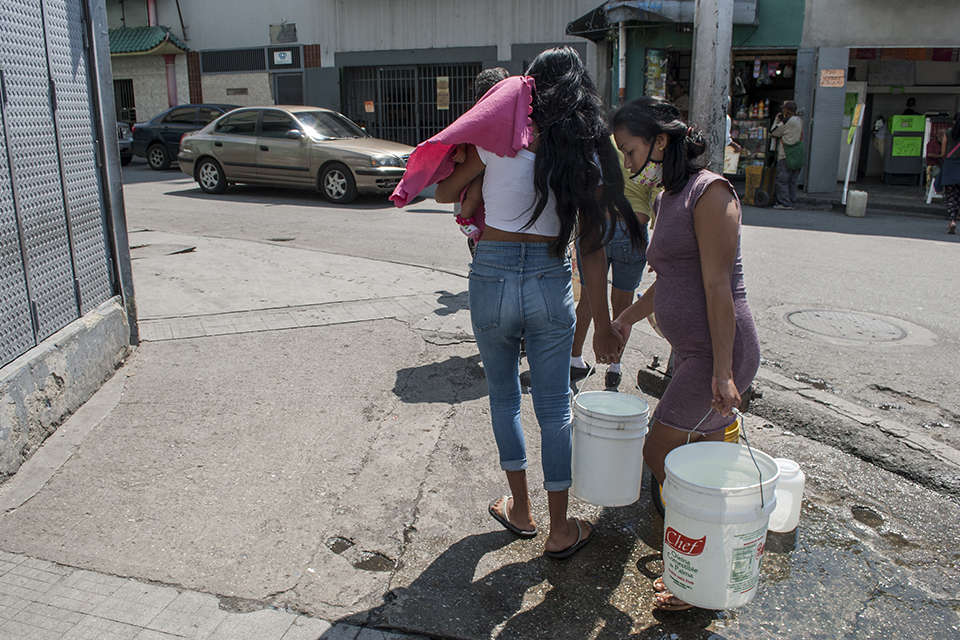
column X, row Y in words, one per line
column 572, row 549
column 509, row 526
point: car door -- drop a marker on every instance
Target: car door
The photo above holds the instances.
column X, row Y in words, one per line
column 234, row 145
column 174, row 125
column 281, row 160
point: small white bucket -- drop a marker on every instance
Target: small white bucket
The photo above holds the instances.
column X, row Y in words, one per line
column 715, row 526
column 608, row 434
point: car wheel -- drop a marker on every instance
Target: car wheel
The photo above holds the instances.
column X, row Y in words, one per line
column 210, row 176
column 158, row 158
column 337, row 184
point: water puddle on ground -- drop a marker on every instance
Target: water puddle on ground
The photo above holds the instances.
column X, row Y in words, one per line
column 841, row 574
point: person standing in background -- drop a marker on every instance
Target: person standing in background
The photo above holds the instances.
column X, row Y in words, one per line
column 627, row 263
column 788, row 128
column 910, row 111
column 950, row 171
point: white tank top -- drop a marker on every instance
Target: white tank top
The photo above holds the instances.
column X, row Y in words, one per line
column 509, row 198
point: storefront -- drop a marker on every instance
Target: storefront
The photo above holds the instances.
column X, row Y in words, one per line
column 658, row 50
column 909, row 96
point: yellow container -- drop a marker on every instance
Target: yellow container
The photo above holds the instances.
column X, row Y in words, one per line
column 758, row 177
column 732, row 433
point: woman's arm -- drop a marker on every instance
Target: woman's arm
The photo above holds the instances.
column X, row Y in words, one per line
column 450, row 188
column 607, row 343
column 716, row 221
column 640, row 309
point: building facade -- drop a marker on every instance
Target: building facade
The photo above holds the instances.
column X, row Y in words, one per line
column 403, row 70
column 828, row 56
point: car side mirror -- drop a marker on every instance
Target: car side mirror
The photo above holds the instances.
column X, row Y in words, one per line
column 294, row 134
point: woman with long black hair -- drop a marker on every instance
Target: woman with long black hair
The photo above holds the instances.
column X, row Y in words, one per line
column 698, row 296
column 566, row 182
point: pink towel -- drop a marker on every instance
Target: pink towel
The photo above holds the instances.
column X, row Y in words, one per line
column 499, row 122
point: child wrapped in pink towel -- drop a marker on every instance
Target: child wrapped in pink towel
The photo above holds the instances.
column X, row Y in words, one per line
column 499, row 122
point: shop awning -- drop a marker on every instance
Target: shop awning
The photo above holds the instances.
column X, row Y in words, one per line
column 143, row 41
column 595, row 24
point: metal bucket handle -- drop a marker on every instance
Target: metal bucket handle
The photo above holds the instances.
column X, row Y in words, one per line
column 743, row 434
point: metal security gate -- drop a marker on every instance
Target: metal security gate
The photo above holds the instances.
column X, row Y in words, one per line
column 126, row 104
column 288, row 88
column 401, row 103
column 55, row 263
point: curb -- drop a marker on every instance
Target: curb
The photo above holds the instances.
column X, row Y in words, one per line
column 851, row 428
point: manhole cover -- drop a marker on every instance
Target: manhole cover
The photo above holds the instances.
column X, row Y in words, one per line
column 845, row 325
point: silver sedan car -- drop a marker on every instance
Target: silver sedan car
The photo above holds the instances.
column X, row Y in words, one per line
column 292, row 146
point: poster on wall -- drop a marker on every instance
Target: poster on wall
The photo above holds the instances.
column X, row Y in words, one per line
column 656, row 73
column 443, row 93
column 833, row 77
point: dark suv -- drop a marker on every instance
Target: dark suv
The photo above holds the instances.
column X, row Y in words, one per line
column 158, row 139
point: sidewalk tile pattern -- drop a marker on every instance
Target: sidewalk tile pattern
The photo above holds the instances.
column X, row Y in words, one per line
column 40, row 600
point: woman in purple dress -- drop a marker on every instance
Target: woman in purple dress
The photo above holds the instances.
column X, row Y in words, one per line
column 698, row 296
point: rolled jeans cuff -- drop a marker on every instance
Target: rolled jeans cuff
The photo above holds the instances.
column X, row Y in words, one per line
column 513, row 465
column 562, row 485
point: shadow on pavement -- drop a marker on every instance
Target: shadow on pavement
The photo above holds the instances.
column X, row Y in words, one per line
column 452, row 302
column 457, row 377
column 253, row 194
column 574, row 595
column 890, row 225
column 489, row 585
column 138, row 172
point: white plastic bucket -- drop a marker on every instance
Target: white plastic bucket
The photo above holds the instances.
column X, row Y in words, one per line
column 608, row 434
column 856, row 204
column 715, row 526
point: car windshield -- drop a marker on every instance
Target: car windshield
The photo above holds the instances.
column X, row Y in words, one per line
column 327, row 125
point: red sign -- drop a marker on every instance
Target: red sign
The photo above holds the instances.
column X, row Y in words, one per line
column 683, row 544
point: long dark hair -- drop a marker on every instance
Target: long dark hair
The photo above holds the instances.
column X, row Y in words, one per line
column 574, row 137
column 647, row 118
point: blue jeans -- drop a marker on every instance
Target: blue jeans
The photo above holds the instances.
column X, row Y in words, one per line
column 626, row 262
column 518, row 290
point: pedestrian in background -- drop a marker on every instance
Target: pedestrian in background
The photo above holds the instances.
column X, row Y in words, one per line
column 788, row 128
column 950, row 171
column 698, row 296
column 565, row 182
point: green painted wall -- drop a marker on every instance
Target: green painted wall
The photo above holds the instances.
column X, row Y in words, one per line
column 781, row 26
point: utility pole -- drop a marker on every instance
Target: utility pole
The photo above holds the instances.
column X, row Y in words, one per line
column 712, row 39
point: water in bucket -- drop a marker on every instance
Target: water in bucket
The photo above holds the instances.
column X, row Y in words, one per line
column 609, row 430
column 718, row 504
